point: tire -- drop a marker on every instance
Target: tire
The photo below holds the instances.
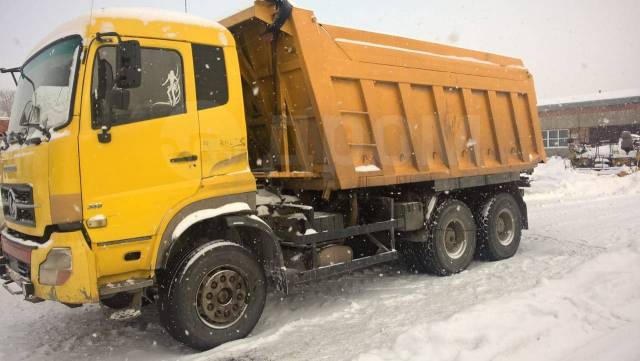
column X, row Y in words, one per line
column 230, row 309
column 118, row 302
column 499, row 228
column 451, row 242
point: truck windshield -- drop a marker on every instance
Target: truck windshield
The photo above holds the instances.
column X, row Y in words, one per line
column 45, row 88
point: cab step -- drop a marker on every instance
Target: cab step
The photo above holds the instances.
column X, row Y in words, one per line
column 125, row 286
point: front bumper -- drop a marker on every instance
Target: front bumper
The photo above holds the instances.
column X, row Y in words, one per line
column 11, row 280
column 15, row 284
column 21, row 262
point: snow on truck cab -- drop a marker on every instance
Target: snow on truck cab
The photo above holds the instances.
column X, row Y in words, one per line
column 159, row 156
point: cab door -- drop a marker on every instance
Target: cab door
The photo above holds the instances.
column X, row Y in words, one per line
column 152, row 161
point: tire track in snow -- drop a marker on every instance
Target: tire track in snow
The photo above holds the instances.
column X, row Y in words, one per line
column 541, row 258
column 392, row 304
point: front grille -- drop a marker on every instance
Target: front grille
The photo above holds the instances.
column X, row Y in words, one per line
column 17, row 204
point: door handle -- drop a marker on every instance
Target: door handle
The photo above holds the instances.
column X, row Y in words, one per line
column 185, row 159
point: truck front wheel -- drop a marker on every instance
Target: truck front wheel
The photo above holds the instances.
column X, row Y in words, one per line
column 499, row 228
column 216, row 295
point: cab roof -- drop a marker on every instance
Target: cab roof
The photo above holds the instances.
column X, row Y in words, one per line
column 144, row 23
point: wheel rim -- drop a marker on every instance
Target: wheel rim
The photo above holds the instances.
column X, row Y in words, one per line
column 222, row 298
column 505, row 227
column 455, row 239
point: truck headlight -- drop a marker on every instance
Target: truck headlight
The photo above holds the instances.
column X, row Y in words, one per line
column 56, row 269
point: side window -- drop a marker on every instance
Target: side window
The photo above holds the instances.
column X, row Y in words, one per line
column 161, row 93
column 211, row 76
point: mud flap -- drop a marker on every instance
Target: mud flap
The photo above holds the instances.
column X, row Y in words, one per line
column 132, row 312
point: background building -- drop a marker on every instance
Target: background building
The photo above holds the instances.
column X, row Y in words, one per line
column 4, row 124
column 588, row 121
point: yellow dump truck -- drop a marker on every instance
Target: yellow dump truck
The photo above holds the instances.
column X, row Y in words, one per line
column 156, row 156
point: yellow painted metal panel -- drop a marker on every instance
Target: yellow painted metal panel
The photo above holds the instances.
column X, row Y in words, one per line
column 223, row 133
column 81, row 287
column 424, row 107
column 131, row 180
column 480, row 113
column 414, row 109
column 504, row 123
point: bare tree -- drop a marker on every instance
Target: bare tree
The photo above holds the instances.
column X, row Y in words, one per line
column 6, row 101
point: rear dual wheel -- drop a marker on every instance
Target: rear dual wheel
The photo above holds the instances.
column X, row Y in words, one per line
column 499, row 228
column 450, row 241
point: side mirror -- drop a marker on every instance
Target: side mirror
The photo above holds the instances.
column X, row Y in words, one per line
column 115, row 99
column 128, row 64
column 102, row 96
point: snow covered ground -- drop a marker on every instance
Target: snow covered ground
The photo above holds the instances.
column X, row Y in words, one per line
column 571, row 293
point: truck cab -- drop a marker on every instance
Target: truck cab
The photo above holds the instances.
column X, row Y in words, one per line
column 83, row 212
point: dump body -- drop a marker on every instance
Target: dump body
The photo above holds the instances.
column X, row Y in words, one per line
column 360, row 109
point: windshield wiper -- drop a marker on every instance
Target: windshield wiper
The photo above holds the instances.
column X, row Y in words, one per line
column 15, row 137
column 42, row 130
column 22, row 138
column 34, row 109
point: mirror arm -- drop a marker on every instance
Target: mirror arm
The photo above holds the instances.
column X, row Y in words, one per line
column 104, row 136
column 13, row 72
column 100, row 36
column 115, row 99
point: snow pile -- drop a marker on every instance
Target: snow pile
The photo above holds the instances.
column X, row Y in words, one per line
column 265, row 197
column 148, row 15
column 367, row 168
column 563, row 315
column 413, row 51
column 590, row 312
column 555, row 180
column 204, row 214
column 54, row 103
column 606, row 151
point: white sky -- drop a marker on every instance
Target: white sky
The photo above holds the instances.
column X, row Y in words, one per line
column 571, row 46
